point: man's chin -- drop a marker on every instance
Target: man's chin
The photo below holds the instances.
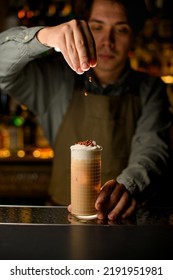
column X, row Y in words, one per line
column 106, row 67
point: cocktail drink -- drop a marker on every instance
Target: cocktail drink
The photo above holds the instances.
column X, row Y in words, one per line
column 85, row 178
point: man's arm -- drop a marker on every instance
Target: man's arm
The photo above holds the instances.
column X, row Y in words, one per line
column 148, row 159
column 34, row 78
column 18, row 46
column 150, row 149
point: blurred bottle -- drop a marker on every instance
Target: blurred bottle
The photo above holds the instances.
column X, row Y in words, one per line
column 29, row 128
column 4, row 136
column 41, row 140
column 15, row 130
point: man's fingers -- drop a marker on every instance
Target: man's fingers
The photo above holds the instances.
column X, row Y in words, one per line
column 121, row 206
column 130, row 210
column 85, row 55
column 105, row 193
column 68, row 48
column 78, row 46
column 69, row 207
column 86, row 47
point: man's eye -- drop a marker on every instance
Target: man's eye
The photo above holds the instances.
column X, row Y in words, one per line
column 122, row 30
column 96, row 28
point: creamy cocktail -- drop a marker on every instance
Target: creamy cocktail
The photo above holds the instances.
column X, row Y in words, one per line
column 85, row 178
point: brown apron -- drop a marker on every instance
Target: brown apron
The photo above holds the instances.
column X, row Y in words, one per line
column 110, row 121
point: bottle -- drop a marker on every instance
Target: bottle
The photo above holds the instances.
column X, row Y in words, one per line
column 15, row 129
column 29, row 128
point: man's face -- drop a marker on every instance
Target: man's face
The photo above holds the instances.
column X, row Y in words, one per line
column 113, row 35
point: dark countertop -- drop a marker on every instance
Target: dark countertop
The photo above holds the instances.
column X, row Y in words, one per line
column 34, row 232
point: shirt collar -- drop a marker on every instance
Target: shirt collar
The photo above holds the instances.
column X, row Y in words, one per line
column 93, row 85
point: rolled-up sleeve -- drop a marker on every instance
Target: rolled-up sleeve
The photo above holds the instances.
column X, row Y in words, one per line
column 18, row 46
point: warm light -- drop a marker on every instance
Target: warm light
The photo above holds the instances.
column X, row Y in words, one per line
column 43, row 153
column 36, row 153
column 21, row 153
column 4, row 153
column 21, row 14
column 24, row 107
column 66, row 10
column 52, row 10
column 167, row 79
column 51, row 153
column 29, row 14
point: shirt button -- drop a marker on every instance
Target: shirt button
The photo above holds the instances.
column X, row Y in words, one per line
column 7, row 38
column 26, row 37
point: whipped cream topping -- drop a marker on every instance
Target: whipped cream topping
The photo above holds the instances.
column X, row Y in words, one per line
column 86, row 145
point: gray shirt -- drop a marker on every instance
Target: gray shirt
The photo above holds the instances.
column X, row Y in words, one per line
column 30, row 73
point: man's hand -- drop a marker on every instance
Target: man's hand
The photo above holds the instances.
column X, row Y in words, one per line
column 74, row 40
column 115, row 201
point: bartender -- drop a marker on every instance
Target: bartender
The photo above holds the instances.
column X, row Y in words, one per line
column 90, row 91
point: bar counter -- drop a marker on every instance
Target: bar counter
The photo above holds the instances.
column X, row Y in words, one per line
column 51, row 233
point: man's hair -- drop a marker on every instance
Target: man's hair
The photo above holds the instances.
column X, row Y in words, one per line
column 136, row 11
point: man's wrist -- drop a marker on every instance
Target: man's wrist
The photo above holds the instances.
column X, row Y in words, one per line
column 41, row 36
